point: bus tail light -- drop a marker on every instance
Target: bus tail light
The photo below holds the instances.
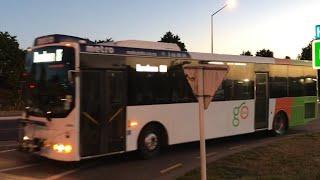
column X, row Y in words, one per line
column 62, row 148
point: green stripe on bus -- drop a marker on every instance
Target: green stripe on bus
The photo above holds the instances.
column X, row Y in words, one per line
column 298, row 110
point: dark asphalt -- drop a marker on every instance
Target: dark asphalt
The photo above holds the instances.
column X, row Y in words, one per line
column 9, row 130
column 17, row 165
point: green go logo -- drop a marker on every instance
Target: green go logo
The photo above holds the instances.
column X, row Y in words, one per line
column 240, row 113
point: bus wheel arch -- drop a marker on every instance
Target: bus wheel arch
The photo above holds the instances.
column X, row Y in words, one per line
column 280, row 124
column 152, row 137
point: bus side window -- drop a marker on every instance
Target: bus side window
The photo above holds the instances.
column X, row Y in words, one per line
column 310, row 86
column 219, row 95
column 181, row 91
column 296, row 81
column 278, row 87
column 242, row 90
column 296, row 88
column 228, row 89
column 310, row 81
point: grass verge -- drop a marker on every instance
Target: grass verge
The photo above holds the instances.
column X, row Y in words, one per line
column 294, row 158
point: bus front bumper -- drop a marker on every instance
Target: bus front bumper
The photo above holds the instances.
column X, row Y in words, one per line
column 31, row 145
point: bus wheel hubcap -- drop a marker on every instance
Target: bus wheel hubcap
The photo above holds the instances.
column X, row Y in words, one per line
column 280, row 125
column 151, row 141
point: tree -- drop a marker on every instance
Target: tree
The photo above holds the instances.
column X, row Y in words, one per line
column 246, row 53
column 11, row 68
column 287, row 57
column 11, row 59
column 169, row 37
column 306, row 53
column 103, row 41
column 264, row 53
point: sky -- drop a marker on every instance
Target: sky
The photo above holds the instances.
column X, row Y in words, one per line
column 283, row 26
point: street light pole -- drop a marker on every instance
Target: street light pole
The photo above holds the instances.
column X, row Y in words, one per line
column 216, row 12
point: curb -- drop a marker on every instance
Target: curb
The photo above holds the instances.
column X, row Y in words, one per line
column 10, row 118
column 10, row 113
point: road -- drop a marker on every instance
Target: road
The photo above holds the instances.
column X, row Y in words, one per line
column 172, row 163
column 8, row 129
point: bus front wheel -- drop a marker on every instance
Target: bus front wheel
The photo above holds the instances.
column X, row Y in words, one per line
column 149, row 142
column 280, row 124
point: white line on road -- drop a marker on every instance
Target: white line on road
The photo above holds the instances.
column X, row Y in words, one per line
column 18, row 167
column 14, row 177
column 63, row 174
column 10, row 118
column 9, row 145
column 163, row 171
column 209, row 154
column 236, row 147
column 8, row 150
column 58, row 176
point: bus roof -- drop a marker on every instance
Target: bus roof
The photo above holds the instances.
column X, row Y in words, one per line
column 246, row 59
column 144, row 45
column 234, row 58
column 155, row 49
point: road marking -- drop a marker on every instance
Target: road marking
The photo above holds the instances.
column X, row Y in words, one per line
column 14, row 177
column 58, row 176
column 8, row 150
column 163, row 171
column 236, row 147
column 18, row 167
column 9, row 145
column 209, row 154
column 10, row 118
column 63, row 174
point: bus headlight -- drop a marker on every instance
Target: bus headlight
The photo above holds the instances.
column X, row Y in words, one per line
column 26, row 138
column 67, row 148
column 62, row 148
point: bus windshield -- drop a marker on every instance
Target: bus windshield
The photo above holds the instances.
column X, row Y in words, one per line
column 49, row 93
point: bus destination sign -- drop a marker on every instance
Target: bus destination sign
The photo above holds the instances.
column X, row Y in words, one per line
column 134, row 51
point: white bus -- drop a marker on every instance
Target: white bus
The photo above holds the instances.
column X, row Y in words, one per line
column 86, row 100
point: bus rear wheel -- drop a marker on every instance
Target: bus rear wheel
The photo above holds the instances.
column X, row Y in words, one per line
column 280, row 124
column 149, row 142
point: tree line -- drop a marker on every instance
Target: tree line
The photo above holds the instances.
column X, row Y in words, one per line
column 306, row 53
column 11, row 70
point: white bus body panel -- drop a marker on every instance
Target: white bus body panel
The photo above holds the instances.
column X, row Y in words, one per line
column 272, row 111
column 181, row 120
column 56, row 131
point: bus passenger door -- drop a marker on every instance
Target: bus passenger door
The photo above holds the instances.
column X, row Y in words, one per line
column 262, row 101
column 103, row 121
column 90, row 111
column 113, row 129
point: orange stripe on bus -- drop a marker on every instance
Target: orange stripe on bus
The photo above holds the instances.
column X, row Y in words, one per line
column 284, row 104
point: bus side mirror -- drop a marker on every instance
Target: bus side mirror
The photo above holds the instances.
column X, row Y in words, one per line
column 72, row 74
